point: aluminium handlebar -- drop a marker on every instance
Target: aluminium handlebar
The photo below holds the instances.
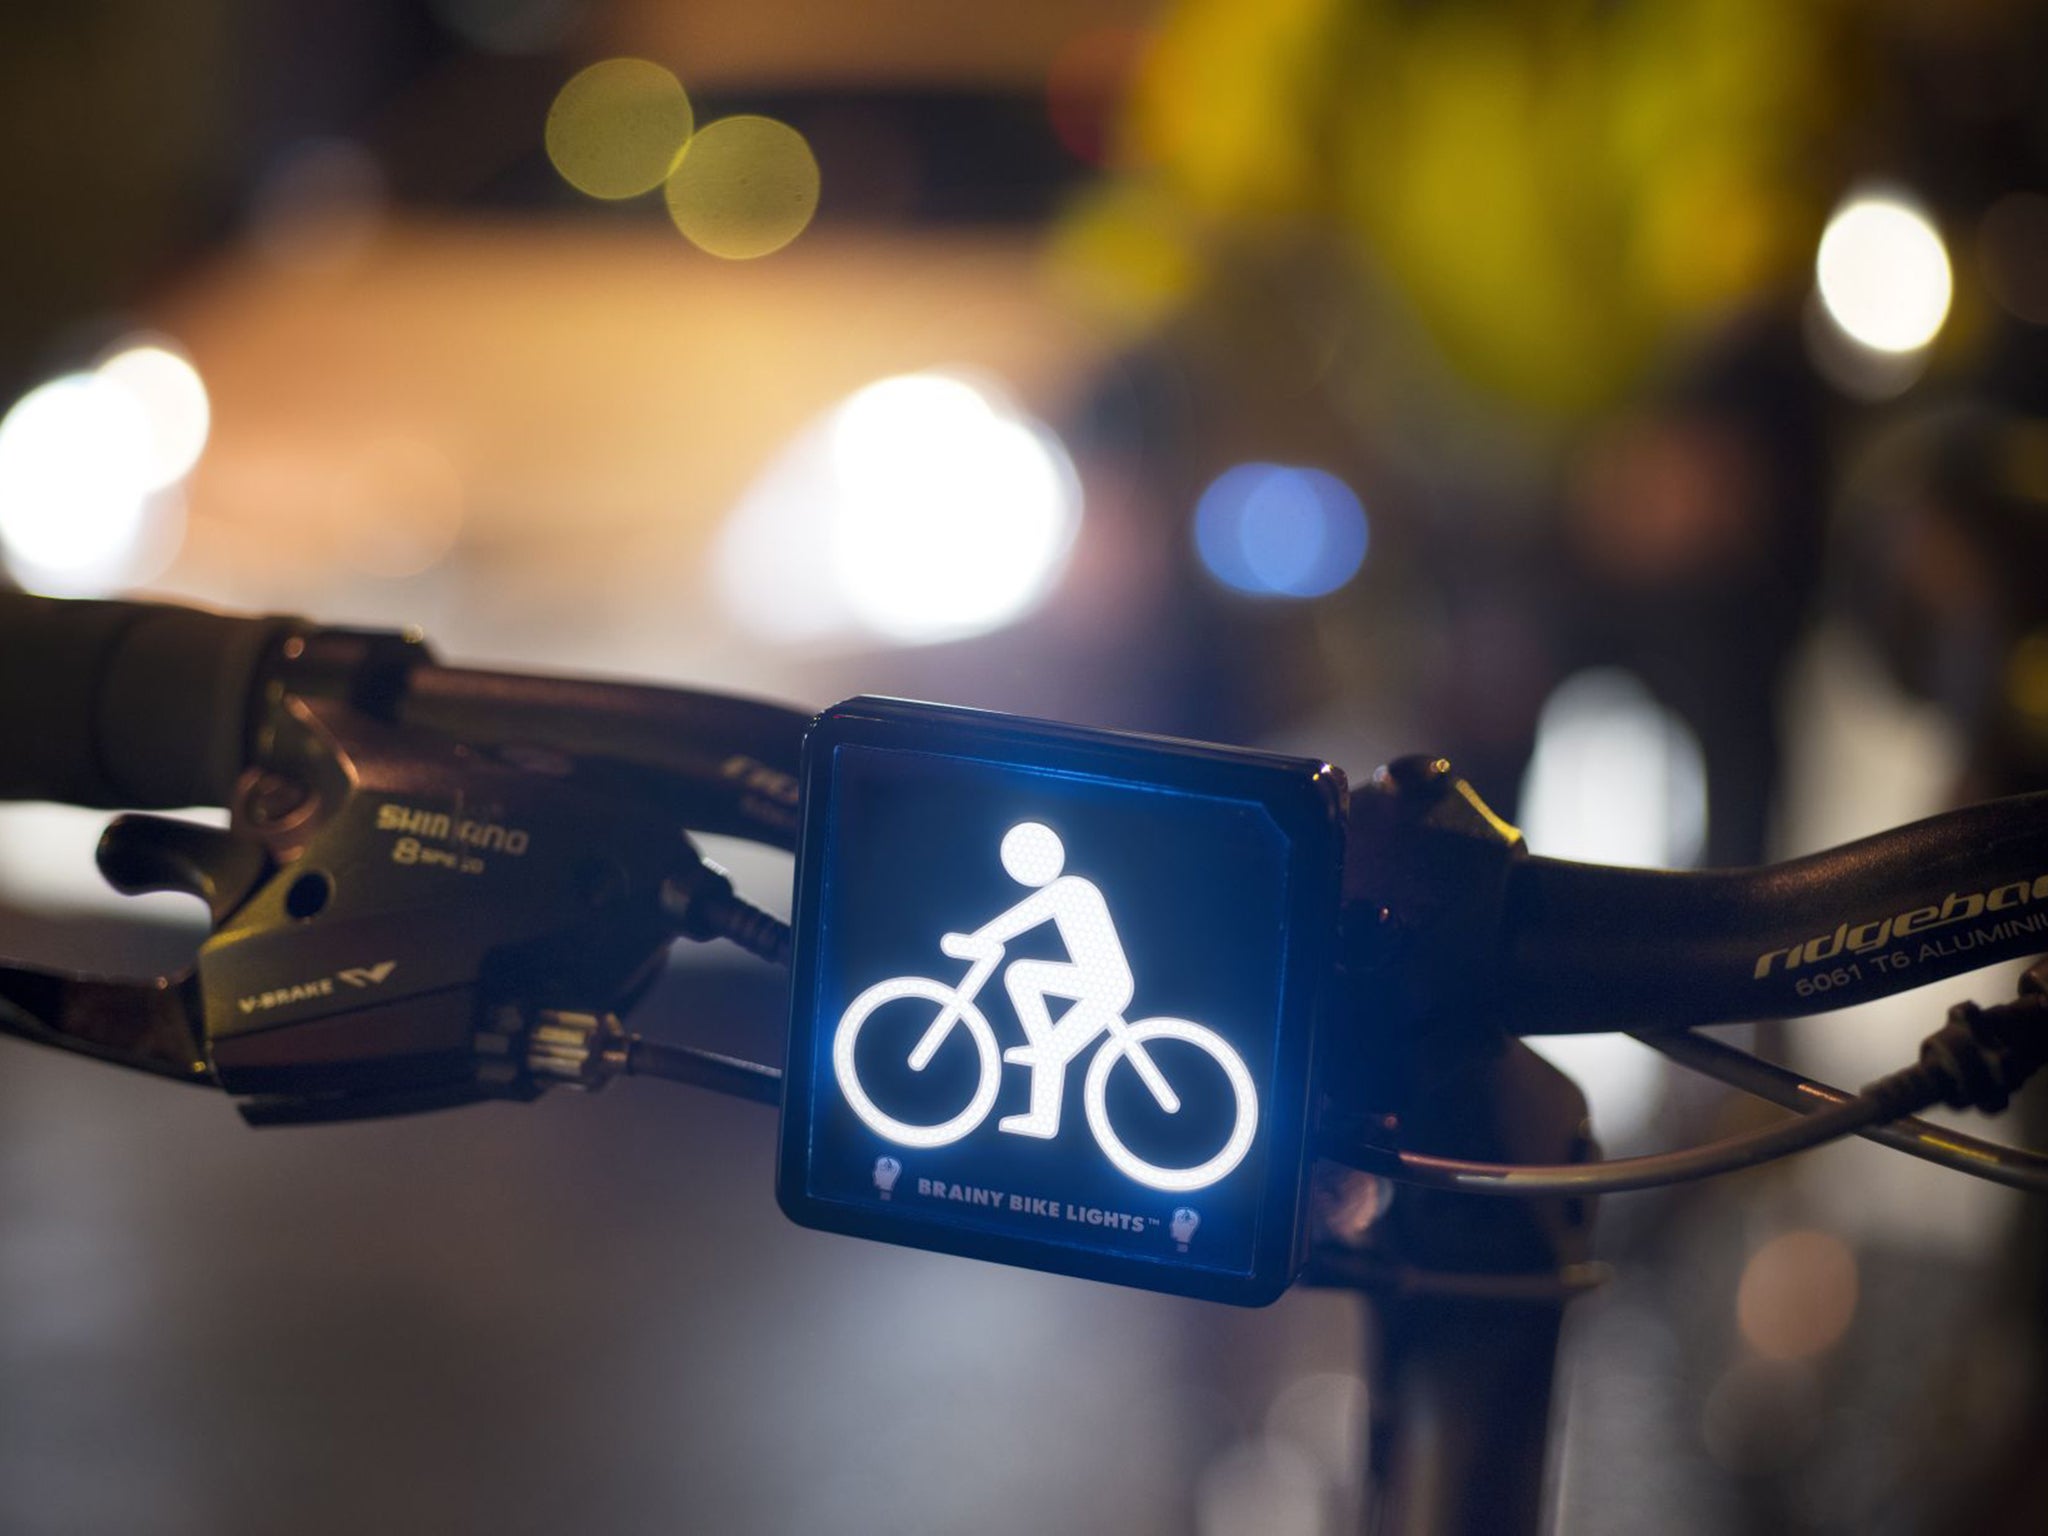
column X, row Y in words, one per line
column 729, row 763
column 1589, row 947
column 154, row 706
column 127, row 705
column 143, row 705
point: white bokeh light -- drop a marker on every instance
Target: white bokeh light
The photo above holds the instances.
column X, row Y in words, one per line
column 1616, row 778
column 1884, row 274
column 75, row 465
column 922, row 508
column 173, row 400
column 90, row 465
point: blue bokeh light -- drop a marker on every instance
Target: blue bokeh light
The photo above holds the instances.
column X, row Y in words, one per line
column 1280, row 530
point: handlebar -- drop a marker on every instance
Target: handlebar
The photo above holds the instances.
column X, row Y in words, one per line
column 139, row 705
column 146, row 705
column 153, row 706
column 734, row 760
column 1591, row 948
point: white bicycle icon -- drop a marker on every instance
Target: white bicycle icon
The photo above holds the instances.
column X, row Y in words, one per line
column 1096, row 980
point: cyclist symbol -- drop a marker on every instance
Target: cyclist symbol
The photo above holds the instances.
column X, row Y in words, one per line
column 1096, row 983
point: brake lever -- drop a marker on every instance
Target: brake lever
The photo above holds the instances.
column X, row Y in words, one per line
column 146, row 1026
column 398, row 924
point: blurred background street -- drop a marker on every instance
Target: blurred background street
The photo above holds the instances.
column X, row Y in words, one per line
column 1644, row 405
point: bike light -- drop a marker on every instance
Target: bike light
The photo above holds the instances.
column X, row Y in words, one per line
column 1055, row 995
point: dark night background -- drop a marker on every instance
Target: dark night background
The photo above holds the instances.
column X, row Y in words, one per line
column 1681, row 367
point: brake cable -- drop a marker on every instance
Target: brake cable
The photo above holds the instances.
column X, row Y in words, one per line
column 1993, row 1160
column 1975, row 1060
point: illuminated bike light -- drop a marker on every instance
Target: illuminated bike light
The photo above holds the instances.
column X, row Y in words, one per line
column 1095, row 981
column 1072, row 901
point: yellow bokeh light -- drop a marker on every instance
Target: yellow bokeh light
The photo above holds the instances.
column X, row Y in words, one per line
column 2026, row 677
column 745, row 186
column 616, row 128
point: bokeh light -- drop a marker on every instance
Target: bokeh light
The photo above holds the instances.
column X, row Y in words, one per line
column 1325, row 1413
column 168, row 388
column 1884, row 274
column 89, row 463
column 2026, row 679
column 1797, row 1295
column 1278, row 530
column 76, row 462
column 1261, row 1486
column 1762, row 1416
column 1622, row 1079
column 616, row 128
column 1086, row 83
column 744, row 187
column 1615, row 777
column 955, row 514
column 319, row 206
column 401, row 506
column 923, row 508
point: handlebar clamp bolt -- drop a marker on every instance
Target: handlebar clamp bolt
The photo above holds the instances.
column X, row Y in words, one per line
column 1417, row 774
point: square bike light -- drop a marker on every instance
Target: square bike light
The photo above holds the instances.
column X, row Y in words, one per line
column 1055, row 995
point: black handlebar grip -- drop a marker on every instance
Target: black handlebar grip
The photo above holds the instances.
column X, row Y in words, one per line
column 118, row 704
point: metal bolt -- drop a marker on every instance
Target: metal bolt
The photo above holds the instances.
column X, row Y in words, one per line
column 1417, row 774
column 273, row 799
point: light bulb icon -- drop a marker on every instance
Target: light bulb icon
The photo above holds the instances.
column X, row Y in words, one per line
column 887, row 1171
column 1183, row 1226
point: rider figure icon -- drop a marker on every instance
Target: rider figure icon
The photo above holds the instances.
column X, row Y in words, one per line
column 1095, row 982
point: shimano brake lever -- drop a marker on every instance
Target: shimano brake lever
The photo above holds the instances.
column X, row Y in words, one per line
column 398, row 925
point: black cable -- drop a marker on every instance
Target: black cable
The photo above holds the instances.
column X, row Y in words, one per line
column 1976, row 1059
column 702, row 904
column 704, row 1069
column 1616, row 1175
column 2002, row 1164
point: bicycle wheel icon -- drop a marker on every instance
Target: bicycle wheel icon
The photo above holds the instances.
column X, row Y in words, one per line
column 966, row 1015
column 1243, row 1129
